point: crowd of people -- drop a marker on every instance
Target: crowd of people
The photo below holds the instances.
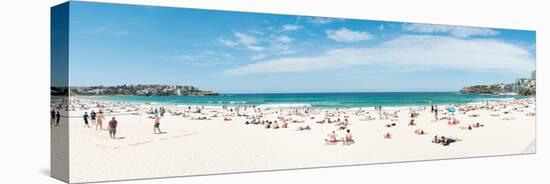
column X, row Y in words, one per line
column 284, row 116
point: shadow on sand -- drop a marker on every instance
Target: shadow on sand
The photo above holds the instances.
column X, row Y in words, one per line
column 45, row 171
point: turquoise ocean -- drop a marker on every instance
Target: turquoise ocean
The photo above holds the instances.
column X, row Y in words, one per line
column 315, row 100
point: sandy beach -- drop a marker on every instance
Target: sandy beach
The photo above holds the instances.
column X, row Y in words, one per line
column 223, row 142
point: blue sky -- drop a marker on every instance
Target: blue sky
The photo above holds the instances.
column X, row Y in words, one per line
column 235, row 52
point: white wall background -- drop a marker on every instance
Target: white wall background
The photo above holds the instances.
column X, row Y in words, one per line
column 24, row 81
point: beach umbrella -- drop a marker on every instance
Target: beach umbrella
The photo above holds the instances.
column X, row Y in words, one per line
column 452, row 109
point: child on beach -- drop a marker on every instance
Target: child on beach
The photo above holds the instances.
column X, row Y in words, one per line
column 112, row 128
column 157, row 125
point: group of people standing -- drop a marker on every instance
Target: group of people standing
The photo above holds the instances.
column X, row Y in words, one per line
column 97, row 120
column 54, row 118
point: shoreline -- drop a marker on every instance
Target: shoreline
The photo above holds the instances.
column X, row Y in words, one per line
column 293, row 105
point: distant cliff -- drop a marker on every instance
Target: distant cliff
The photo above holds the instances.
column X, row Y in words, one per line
column 499, row 89
column 484, row 89
column 141, row 90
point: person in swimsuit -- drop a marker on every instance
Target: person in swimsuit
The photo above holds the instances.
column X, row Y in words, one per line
column 112, row 128
column 100, row 119
column 157, row 125
column 411, row 123
column 331, row 137
column 92, row 117
column 86, row 116
column 435, row 114
column 349, row 137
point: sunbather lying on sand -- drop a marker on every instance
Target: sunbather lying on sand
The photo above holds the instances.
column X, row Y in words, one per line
column 303, row 128
column 472, row 126
column 200, row 118
column 420, row 132
column 454, row 121
column 445, row 141
column 368, row 118
column 478, row 125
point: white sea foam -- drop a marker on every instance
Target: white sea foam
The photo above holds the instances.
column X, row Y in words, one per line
column 284, row 105
column 199, row 105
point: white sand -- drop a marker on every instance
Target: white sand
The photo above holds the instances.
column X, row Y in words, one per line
column 193, row 147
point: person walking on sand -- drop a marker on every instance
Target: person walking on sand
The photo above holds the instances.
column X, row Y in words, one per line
column 157, row 125
column 52, row 118
column 435, row 113
column 57, row 117
column 100, row 119
column 112, row 128
column 86, row 116
column 93, row 117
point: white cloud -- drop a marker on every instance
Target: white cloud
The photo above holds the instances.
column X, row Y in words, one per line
column 320, row 20
column 409, row 51
column 257, row 57
column 290, row 27
column 284, row 39
column 348, row 36
column 256, row 32
column 227, row 56
column 458, row 31
column 209, row 52
column 228, row 43
column 280, row 48
column 246, row 39
column 255, row 48
column 186, row 57
column 277, row 44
